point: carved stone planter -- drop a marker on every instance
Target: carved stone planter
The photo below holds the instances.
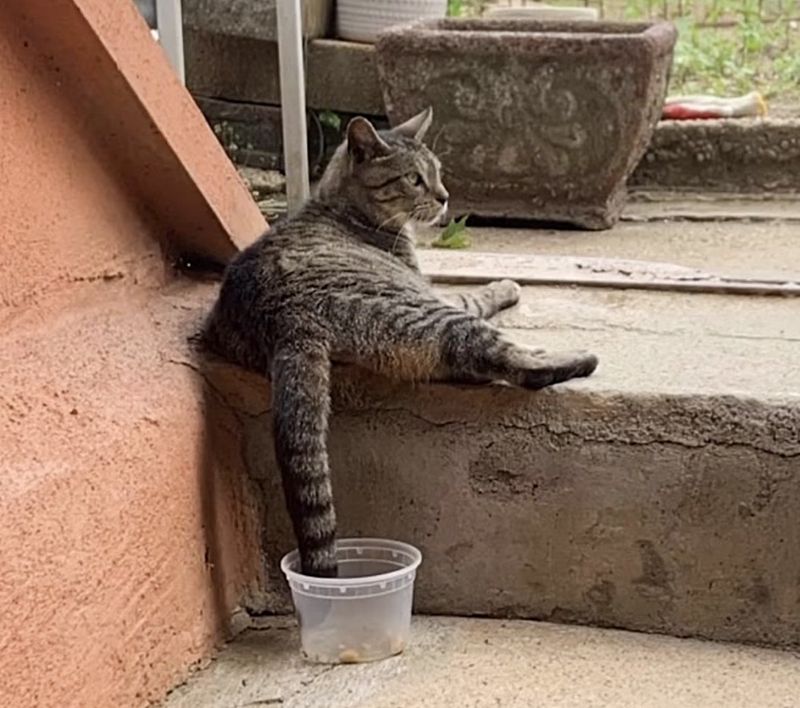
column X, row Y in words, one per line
column 532, row 120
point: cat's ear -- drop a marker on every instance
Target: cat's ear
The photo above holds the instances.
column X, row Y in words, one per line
column 363, row 141
column 417, row 127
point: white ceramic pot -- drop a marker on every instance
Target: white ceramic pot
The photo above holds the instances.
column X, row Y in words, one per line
column 543, row 13
column 362, row 20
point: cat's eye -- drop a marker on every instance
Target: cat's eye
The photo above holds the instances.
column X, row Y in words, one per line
column 416, row 179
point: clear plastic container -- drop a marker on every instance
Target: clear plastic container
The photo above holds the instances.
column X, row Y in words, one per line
column 365, row 613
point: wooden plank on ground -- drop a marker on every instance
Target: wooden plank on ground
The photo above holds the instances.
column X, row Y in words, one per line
column 471, row 267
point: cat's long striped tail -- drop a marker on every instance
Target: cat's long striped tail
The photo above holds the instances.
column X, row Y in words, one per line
column 300, row 410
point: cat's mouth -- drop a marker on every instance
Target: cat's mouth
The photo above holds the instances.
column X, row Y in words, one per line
column 440, row 219
column 430, row 217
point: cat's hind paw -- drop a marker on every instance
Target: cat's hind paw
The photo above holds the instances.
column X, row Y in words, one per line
column 557, row 367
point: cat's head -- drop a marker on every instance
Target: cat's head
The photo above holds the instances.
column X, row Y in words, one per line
column 389, row 176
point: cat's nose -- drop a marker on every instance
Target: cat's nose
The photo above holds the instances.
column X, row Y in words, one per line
column 442, row 196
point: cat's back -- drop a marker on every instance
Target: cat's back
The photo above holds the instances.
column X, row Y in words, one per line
column 316, row 248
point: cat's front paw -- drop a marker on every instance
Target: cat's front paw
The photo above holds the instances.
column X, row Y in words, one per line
column 506, row 293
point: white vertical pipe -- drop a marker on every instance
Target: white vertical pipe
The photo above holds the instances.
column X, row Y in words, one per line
column 169, row 20
column 293, row 102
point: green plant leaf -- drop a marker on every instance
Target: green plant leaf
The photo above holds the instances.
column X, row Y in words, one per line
column 454, row 235
column 331, row 119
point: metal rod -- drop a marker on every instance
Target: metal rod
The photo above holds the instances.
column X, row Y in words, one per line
column 169, row 20
column 293, row 103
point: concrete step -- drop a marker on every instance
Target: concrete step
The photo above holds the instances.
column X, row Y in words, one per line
column 745, row 247
column 659, row 495
column 515, row 664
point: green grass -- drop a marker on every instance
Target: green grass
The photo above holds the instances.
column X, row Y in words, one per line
column 458, row 8
column 725, row 47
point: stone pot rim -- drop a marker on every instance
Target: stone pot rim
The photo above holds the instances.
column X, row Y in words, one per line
column 455, row 29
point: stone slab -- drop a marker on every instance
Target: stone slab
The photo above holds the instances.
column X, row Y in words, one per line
column 344, row 78
column 252, row 134
column 711, row 207
column 254, row 19
column 733, row 156
column 659, row 495
column 768, row 250
column 340, row 76
column 481, row 663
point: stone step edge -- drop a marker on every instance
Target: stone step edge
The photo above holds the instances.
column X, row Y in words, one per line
column 694, row 430
column 769, row 424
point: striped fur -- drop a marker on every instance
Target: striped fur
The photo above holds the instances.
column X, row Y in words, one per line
column 340, row 282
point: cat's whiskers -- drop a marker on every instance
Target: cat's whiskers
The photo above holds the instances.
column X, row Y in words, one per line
column 436, row 140
column 408, row 220
column 380, row 226
column 413, row 218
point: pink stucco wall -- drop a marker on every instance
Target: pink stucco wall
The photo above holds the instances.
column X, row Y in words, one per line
column 125, row 536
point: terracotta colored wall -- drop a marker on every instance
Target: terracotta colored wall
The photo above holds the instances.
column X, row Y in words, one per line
column 126, row 535
column 65, row 212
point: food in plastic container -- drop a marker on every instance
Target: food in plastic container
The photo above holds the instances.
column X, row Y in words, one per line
column 365, row 613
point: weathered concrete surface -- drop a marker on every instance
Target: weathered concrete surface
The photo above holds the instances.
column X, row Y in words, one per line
column 129, row 532
column 340, row 76
column 532, row 120
column 254, row 19
column 477, row 269
column 482, row 663
column 768, row 249
column 263, row 183
column 344, row 77
column 252, row 134
column 687, row 205
column 658, row 495
column 733, row 155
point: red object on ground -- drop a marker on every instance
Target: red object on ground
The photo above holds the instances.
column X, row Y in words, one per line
column 751, row 105
column 681, row 112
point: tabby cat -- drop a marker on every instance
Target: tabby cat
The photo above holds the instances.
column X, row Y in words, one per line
column 339, row 282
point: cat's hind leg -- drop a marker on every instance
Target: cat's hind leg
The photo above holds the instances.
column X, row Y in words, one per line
column 423, row 340
column 474, row 349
